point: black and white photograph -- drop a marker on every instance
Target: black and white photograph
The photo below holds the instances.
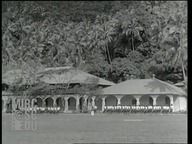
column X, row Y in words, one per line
column 94, row 72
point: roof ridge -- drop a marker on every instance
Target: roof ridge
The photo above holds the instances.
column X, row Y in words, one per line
column 97, row 77
column 172, row 86
column 143, row 86
column 79, row 72
column 130, row 80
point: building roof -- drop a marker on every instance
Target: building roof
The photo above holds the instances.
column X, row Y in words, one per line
column 143, row 87
column 5, row 93
column 180, row 84
column 61, row 75
column 53, row 75
column 17, row 76
column 10, row 76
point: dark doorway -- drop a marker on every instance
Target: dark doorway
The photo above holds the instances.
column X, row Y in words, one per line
column 167, row 101
column 98, row 103
column 81, row 101
column 60, row 103
column 49, row 102
column 111, row 101
column 72, row 103
column 150, row 101
column 134, row 102
column 9, row 106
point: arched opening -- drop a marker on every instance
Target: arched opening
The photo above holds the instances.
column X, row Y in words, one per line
column 98, row 104
column 146, row 100
column 49, row 102
column 39, row 102
column 150, row 101
column 111, row 101
column 163, row 100
column 81, row 101
column 126, row 100
column 60, row 103
column 83, row 104
column 4, row 87
column 72, row 103
column 89, row 103
column 9, row 105
column 134, row 102
column 167, row 101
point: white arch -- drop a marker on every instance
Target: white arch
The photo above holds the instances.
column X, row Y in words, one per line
column 38, row 97
column 48, row 96
column 74, row 96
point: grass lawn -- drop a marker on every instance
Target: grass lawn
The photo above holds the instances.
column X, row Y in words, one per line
column 101, row 128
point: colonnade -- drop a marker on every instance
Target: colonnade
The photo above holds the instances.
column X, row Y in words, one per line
column 138, row 100
column 87, row 101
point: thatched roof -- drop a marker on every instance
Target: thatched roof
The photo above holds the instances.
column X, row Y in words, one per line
column 5, row 93
column 143, row 87
column 65, row 75
column 17, row 76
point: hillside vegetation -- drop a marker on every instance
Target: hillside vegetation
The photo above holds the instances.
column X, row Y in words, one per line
column 112, row 40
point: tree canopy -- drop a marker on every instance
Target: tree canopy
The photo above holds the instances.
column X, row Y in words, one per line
column 114, row 40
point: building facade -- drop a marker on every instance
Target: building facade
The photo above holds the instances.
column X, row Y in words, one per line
column 135, row 92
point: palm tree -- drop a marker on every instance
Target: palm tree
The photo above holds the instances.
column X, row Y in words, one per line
column 107, row 29
column 177, row 54
column 131, row 28
column 180, row 57
column 107, row 40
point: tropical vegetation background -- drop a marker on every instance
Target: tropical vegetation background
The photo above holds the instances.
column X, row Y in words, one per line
column 115, row 40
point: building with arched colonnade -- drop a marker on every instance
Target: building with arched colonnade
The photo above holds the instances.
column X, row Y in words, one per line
column 69, row 101
column 134, row 92
column 145, row 92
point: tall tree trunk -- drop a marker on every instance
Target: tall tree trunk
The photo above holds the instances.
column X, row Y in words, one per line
column 79, row 55
column 184, row 76
column 132, row 43
column 109, row 57
column 183, row 70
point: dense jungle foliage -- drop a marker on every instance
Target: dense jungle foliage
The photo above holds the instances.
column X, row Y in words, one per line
column 110, row 39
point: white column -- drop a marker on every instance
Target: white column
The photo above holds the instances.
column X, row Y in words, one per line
column 77, row 103
column 85, row 101
column 137, row 99
column 4, row 105
column 85, row 106
column 54, row 102
column 62, row 103
column 66, row 104
column 171, row 102
column 93, row 101
column 171, row 99
column 118, row 100
column 103, row 103
column 43, row 103
column 154, row 97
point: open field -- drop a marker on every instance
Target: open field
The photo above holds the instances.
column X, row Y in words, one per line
column 101, row 128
